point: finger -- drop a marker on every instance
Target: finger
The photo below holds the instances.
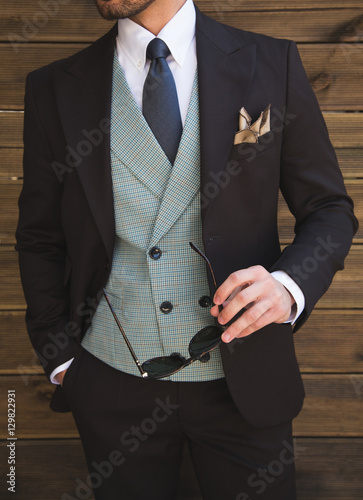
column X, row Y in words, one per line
column 241, row 300
column 214, row 311
column 270, row 316
column 255, row 318
column 235, row 292
column 236, row 279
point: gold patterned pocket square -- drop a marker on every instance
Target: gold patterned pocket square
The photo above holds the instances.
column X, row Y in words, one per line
column 250, row 133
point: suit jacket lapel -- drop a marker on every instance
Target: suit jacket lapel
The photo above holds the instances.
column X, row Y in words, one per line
column 83, row 93
column 84, row 90
column 226, row 70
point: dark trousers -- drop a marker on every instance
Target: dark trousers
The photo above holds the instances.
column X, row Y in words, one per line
column 133, row 432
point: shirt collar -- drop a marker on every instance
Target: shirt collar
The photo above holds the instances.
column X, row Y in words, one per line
column 178, row 34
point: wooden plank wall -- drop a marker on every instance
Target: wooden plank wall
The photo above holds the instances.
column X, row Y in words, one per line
column 329, row 431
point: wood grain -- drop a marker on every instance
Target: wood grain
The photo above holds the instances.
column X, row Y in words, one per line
column 346, row 290
column 237, row 5
column 329, row 469
column 17, row 356
column 345, row 129
column 333, row 406
column 350, row 162
column 46, row 470
column 336, row 86
column 86, row 9
column 29, row 57
column 335, row 70
column 11, row 163
column 34, row 418
column 305, row 26
column 331, row 341
column 80, row 22
column 287, row 221
column 11, row 294
column 9, row 194
column 11, row 129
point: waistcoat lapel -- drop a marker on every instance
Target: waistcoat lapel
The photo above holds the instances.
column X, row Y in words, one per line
column 184, row 180
column 132, row 141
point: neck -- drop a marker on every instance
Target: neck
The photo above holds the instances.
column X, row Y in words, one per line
column 158, row 14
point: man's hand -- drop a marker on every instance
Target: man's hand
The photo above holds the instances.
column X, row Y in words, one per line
column 265, row 299
column 60, row 376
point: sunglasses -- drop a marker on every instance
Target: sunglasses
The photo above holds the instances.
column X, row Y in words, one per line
column 203, row 342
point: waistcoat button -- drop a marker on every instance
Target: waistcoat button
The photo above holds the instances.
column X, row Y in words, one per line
column 205, row 301
column 155, row 253
column 166, row 307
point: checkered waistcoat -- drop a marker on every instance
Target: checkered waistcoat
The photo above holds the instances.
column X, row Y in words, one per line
column 156, row 205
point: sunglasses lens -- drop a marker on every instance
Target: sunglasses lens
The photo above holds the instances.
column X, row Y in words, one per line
column 163, row 366
column 205, row 340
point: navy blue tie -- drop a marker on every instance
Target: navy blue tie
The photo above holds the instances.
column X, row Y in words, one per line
column 160, row 100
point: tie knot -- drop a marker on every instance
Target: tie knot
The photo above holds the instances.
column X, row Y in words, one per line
column 156, row 49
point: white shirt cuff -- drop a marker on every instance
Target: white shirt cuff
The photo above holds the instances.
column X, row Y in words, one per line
column 59, row 369
column 295, row 291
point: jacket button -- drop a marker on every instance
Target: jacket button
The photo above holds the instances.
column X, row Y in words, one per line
column 155, row 253
column 166, row 307
column 205, row 301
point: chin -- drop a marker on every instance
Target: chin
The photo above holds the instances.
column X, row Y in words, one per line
column 120, row 9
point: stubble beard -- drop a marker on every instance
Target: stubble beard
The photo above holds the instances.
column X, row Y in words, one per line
column 121, row 9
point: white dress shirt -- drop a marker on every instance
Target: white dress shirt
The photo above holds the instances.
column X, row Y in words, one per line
column 179, row 36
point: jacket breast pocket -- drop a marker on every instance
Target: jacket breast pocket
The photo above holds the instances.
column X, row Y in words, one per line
column 248, row 152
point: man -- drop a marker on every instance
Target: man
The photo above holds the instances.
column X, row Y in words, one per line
column 135, row 147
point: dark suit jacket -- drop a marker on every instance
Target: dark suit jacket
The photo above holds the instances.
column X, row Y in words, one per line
column 66, row 232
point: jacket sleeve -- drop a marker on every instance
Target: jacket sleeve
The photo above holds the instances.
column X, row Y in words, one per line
column 313, row 187
column 41, row 246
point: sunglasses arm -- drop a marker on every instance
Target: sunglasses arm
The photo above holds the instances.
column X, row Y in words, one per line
column 132, row 352
column 199, row 252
